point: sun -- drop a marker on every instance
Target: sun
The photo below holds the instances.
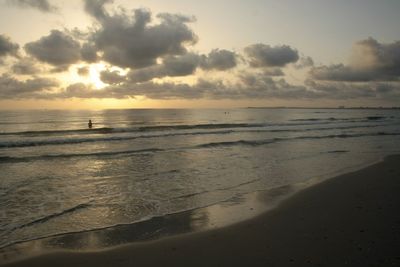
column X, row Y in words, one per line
column 94, row 75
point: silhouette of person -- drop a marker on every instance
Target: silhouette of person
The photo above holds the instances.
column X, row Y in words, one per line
column 90, row 124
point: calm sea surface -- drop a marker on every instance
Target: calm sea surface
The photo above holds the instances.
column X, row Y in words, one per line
column 56, row 176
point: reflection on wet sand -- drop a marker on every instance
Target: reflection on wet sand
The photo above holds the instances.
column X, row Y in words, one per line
column 214, row 216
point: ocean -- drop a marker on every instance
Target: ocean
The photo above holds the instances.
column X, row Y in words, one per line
column 57, row 176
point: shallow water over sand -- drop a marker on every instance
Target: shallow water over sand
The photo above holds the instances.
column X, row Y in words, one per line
column 58, row 177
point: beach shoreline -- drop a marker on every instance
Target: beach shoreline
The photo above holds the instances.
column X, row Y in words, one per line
column 346, row 220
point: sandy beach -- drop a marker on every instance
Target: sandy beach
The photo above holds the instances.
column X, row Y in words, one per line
column 349, row 220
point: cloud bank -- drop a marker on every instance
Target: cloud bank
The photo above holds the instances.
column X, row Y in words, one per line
column 154, row 56
column 12, row 88
column 370, row 61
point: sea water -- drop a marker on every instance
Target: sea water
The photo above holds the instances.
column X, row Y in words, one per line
column 57, row 176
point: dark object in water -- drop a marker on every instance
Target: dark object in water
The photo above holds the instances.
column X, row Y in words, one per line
column 90, row 124
column 374, row 118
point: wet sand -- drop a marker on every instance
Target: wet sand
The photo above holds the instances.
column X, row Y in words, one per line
column 349, row 220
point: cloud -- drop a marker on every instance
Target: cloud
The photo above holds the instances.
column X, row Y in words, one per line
column 184, row 65
column 149, row 47
column 83, row 71
column 219, row 60
column 111, row 77
column 137, row 41
column 346, row 90
column 261, row 55
column 370, row 61
column 7, row 47
column 89, row 53
column 172, row 66
column 42, row 5
column 11, row 88
column 81, row 90
column 248, row 86
column 216, row 89
column 370, row 54
column 96, row 8
column 146, row 74
column 260, row 86
column 181, row 65
column 273, row 72
column 57, row 49
column 157, row 91
column 304, row 62
column 340, row 72
column 25, row 66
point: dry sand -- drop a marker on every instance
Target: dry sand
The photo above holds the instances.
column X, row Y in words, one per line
column 349, row 220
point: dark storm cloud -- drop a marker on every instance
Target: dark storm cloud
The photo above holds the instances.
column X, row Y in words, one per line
column 25, row 66
column 111, row 77
column 57, row 49
column 219, row 60
column 370, row 61
column 7, row 47
column 11, row 88
column 136, row 41
column 261, row 55
column 42, row 5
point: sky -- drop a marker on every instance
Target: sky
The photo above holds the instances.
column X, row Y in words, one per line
column 95, row 54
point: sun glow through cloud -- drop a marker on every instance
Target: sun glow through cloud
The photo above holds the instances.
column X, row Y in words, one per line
column 94, row 74
column 175, row 55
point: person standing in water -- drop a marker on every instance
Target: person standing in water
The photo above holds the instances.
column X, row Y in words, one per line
column 90, row 124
